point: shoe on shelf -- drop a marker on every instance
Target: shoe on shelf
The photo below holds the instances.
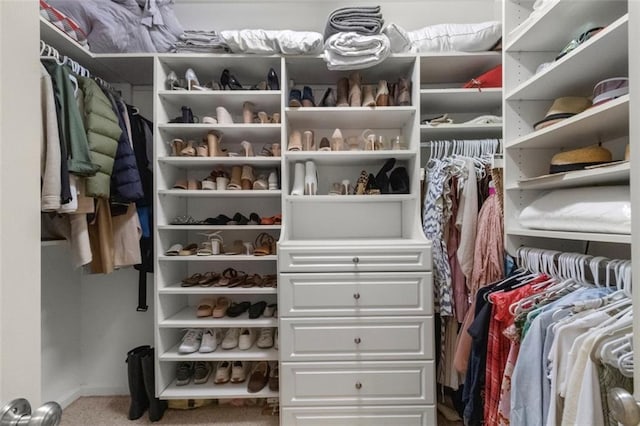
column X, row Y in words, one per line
column 247, row 112
column 237, row 309
column 177, row 145
column 295, row 98
column 393, row 90
column 254, row 219
column 325, row 145
column 343, row 92
column 247, row 338
column 367, row 96
column 361, row 185
column 205, row 307
column 274, row 376
column 172, row 82
column 269, row 310
column 372, row 187
column 307, row 97
column 329, row 98
column 184, row 372
column 201, row 372
column 229, row 82
column 190, row 341
column 355, row 93
column 261, row 184
column 337, row 141
column 265, row 245
column 188, row 150
column 275, row 118
column 265, row 340
column 295, row 141
column 188, row 250
column 272, row 80
column 308, row 144
column 192, row 80
column 399, row 181
column 382, row 177
column 230, row 340
column 221, row 307
column 310, row 178
column 257, row 309
column 263, row 118
column 382, row 94
column 239, row 371
column 239, row 219
column 236, row 178
column 336, row 189
column 276, row 149
column 223, row 373
column 260, row 86
column 275, row 339
column 213, row 143
column 273, row 181
column 210, row 340
column 403, row 92
column 223, row 115
column 298, row 179
column 259, row 377
column 247, row 178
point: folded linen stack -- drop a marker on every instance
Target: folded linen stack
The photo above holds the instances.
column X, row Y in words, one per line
column 353, row 40
column 365, row 20
column 199, row 41
column 352, row 51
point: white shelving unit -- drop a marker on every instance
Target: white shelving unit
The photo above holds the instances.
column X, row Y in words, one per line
column 529, row 95
column 176, row 305
column 356, row 234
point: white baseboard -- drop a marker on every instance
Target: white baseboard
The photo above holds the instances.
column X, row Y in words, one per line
column 66, row 399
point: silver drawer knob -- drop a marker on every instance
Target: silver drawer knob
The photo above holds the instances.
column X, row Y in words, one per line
column 356, row 296
column 358, row 385
column 356, row 259
column 357, row 340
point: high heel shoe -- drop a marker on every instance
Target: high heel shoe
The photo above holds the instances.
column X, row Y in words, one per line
column 263, row 118
column 202, row 150
column 328, row 99
column 298, row 179
column 361, row 185
column 272, row 80
column 247, row 149
column 367, row 95
column 403, row 92
column 275, row 118
column 337, row 141
column 223, row 115
column 382, row 94
column 213, row 143
column 172, row 82
column 229, row 82
column 189, row 150
column 247, row 112
column 308, row 143
column 310, row 178
column 247, row 178
column 177, row 145
column 192, row 80
column 295, row 141
column 372, row 187
column 236, row 178
column 381, row 178
column 261, row 183
column 343, row 93
column 325, row 145
column 273, row 181
column 355, row 93
column 399, row 181
column 345, row 187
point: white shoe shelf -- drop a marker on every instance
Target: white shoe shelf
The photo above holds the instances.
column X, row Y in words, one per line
column 539, row 38
column 176, row 305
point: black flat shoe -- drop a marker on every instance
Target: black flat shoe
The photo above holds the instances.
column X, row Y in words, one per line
column 221, row 219
column 254, row 219
column 229, row 82
column 272, row 80
column 399, row 181
column 238, row 219
column 382, row 179
column 257, row 309
column 237, row 309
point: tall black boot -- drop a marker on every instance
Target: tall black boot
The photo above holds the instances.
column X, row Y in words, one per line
column 156, row 406
column 139, row 400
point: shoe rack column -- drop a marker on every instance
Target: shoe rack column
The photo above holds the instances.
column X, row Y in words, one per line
column 217, row 184
column 355, row 293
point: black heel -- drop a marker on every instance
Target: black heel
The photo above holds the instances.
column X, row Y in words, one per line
column 272, row 80
column 399, row 181
column 382, row 179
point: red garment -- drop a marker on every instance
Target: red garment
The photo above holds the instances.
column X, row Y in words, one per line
column 499, row 345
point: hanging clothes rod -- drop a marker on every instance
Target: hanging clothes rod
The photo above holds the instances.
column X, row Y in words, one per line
column 47, row 51
column 486, row 148
column 598, row 270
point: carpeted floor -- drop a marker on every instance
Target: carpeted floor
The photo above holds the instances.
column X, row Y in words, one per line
column 112, row 411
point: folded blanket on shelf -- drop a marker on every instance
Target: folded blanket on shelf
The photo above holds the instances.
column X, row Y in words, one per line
column 267, row 42
column 365, row 20
column 200, row 41
column 352, row 51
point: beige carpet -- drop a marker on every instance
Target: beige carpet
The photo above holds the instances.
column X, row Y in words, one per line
column 112, row 411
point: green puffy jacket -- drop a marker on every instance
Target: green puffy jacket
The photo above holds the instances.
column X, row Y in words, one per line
column 103, row 132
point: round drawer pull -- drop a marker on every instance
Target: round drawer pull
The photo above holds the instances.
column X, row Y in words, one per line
column 358, row 385
column 357, row 340
column 356, row 296
column 356, row 259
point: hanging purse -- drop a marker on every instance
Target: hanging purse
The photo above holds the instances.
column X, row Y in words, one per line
column 491, row 78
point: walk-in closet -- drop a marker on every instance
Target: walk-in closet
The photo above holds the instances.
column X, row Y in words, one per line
column 297, row 213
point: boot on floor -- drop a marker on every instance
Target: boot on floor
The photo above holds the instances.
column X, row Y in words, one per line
column 157, row 406
column 139, row 400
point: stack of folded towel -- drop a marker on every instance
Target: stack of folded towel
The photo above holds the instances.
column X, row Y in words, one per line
column 200, row 42
column 362, row 20
column 353, row 39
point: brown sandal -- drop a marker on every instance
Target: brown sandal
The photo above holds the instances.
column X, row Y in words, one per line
column 189, row 250
column 270, row 280
column 192, row 280
column 208, row 279
column 265, row 245
column 253, row 280
column 238, row 280
column 227, row 275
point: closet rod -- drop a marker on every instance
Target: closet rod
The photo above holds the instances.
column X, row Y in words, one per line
column 598, row 270
column 48, row 51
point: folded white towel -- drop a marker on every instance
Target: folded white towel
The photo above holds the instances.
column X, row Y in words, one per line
column 267, row 42
column 352, row 51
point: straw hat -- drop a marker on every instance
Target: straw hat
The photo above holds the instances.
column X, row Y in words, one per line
column 578, row 159
column 563, row 108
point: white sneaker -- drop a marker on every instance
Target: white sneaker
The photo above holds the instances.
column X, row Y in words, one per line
column 190, row 341
column 247, row 338
column 230, row 340
column 265, row 340
column 210, row 339
column 239, row 371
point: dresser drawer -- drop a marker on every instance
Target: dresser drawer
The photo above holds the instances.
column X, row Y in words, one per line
column 359, row 416
column 362, row 382
column 351, row 258
column 344, row 294
column 344, row 339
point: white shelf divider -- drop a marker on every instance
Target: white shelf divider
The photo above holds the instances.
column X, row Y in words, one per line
column 565, row 235
column 210, row 390
column 186, row 318
column 252, row 354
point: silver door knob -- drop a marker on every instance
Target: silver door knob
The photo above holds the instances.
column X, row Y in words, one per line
column 356, row 296
column 358, row 385
column 357, row 340
column 624, row 407
column 356, row 259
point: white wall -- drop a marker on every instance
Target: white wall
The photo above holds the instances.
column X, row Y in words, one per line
column 19, row 202
column 311, row 15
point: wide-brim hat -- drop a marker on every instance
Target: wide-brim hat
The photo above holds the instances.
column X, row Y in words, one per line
column 563, row 108
column 580, row 158
column 609, row 89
